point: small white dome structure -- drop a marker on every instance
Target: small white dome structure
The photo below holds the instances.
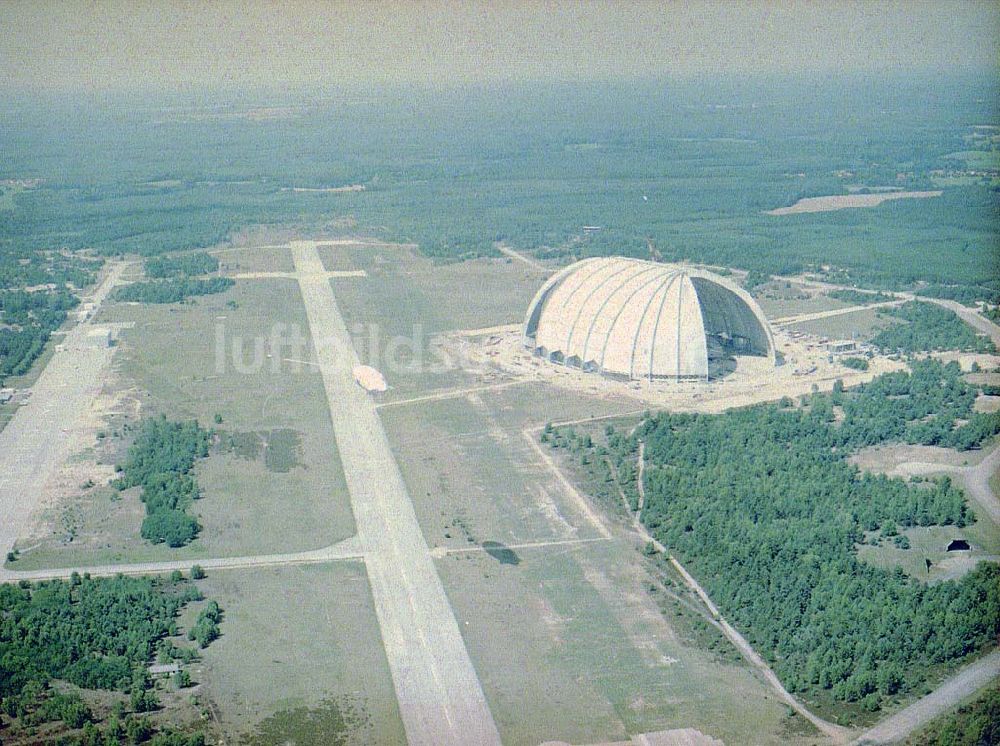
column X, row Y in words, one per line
column 635, row 319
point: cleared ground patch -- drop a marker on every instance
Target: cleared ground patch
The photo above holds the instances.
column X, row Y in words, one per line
column 846, row 201
column 781, row 298
column 565, row 653
column 294, row 639
column 168, row 362
column 907, row 460
column 480, row 292
column 930, row 543
column 253, row 259
column 472, row 475
column 861, row 324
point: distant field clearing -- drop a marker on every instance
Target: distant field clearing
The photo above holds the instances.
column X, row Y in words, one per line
column 327, row 190
column 845, row 201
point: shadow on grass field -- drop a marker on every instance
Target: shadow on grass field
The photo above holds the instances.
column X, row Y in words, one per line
column 568, row 640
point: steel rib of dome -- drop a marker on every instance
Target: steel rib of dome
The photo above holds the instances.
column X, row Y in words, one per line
column 635, row 319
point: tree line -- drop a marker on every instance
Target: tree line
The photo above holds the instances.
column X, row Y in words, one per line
column 161, row 461
column 95, row 633
column 967, row 295
column 198, row 263
column 976, row 723
column 763, row 507
column 171, row 290
column 27, row 320
column 859, row 297
column 929, row 328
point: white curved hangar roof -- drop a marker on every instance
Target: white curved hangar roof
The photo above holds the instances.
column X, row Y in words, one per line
column 637, row 319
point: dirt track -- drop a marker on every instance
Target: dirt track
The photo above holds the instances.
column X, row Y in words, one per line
column 956, row 689
column 975, row 479
column 506, row 250
column 950, row 694
column 969, row 315
column 837, row 733
column 977, row 484
column 349, row 549
column 440, row 697
column 828, row 314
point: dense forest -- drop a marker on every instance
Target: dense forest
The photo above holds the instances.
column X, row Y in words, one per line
column 968, row 295
column 689, row 169
column 929, row 328
column 859, row 297
column 20, row 268
column 763, row 508
column 94, row 633
column 170, row 291
column 692, row 168
column 27, row 319
column 197, row 263
column 161, row 462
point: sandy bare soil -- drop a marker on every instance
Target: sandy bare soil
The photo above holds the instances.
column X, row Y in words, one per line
column 902, row 460
column 64, row 491
column 676, row 737
column 846, row 201
column 41, row 434
column 973, row 468
column 440, row 696
column 987, row 404
column 754, row 380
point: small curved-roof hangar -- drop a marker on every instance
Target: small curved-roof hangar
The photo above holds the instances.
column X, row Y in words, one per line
column 635, row 319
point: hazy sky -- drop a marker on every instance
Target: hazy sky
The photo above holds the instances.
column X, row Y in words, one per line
column 189, row 45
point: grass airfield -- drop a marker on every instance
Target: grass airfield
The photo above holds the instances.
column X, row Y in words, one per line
column 167, row 362
column 573, row 635
column 270, row 687
column 568, row 643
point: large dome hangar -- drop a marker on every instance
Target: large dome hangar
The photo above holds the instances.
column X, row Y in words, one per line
column 634, row 319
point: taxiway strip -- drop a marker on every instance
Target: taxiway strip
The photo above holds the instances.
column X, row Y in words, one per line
column 348, row 549
column 37, row 438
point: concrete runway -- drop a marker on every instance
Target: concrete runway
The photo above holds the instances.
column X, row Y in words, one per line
column 440, row 697
column 36, row 440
